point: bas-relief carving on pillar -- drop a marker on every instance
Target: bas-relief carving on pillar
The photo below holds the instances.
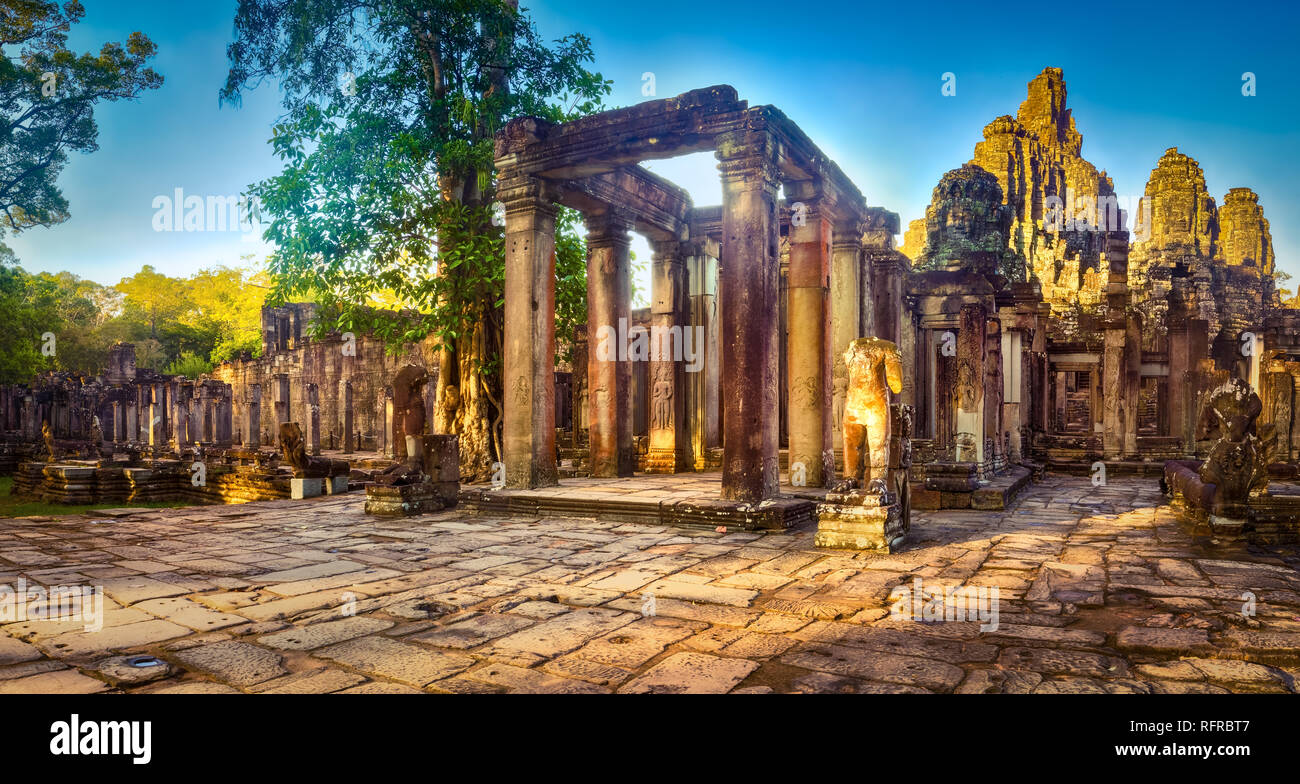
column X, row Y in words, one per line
column 1280, row 393
column 673, row 341
column 875, row 369
column 661, row 399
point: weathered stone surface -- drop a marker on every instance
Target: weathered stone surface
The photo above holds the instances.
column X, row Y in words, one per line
column 691, row 673
column 814, row 622
column 236, row 663
column 876, row 666
column 328, row 633
column 474, row 631
column 403, row 662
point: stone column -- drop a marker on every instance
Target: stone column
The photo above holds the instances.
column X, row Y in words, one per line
column 889, row 270
column 132, row 421
column 158, row 419
column 1132, row 393
column 388, row 426
column 971, row 346
column 1179, row 365
column 749, row 288
column 181, row 415
column 808, row 350
column 119, row 422
column 312, row 428
column 846, row 304
column 578, row 387
column 253, row 417
column 1254, row 361
column 609, row 371
column 704, row 378
column 529, row 362
column 671, row 340
column 1112, row 379
column 1014, row 380
column 993, row 359
column 345, row 410
column 208, row 418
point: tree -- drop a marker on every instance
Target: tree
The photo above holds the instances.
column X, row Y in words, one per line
column 391, row 108
column 47, row 99
column 189, row 365
column 61, row 305
column 226, row 305
column 155, row 297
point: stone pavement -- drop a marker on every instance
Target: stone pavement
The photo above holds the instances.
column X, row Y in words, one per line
column 1100, row 590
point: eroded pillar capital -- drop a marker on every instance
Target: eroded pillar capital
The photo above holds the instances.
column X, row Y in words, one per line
column 527, row 194
column 609, row 228
column 748, row 161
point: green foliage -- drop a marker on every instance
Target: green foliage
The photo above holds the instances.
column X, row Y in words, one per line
column 189, row 365
column 64, row 305
column 570, row 281
column 388, row 153
column 152, row 297
column 47, row 98
column 211, row 316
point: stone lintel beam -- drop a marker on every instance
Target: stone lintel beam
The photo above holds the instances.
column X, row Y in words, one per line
column 656, row 207
column 801, row 159
column 750, row 306
column 529, row 361
column 691, row 122
column 609, row 370
column 707, row 222
column 599, row 143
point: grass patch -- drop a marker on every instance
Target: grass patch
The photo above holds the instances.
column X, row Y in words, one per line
column 20, row 507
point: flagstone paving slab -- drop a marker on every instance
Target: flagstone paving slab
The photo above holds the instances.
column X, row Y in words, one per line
column 1099, row 590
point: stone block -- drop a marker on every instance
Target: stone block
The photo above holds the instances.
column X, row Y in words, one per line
column 988, row 498
column 954, row 500
column 335, row 485
column 862, row 527
column 403, row 499
column 305, row 488
column 924, row 499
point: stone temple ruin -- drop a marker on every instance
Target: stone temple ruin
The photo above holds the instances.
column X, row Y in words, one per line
column 1034, row 329
column 136, row 435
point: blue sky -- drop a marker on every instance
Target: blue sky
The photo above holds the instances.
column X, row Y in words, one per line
column 863, row 79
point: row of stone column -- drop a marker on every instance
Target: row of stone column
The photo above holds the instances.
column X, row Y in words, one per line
column 827, row 290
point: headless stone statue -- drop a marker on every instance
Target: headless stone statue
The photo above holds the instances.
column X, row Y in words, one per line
column 306, row 466
column 47, row 435
column 874, row 368
column 408, row 403
column 96, row 437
